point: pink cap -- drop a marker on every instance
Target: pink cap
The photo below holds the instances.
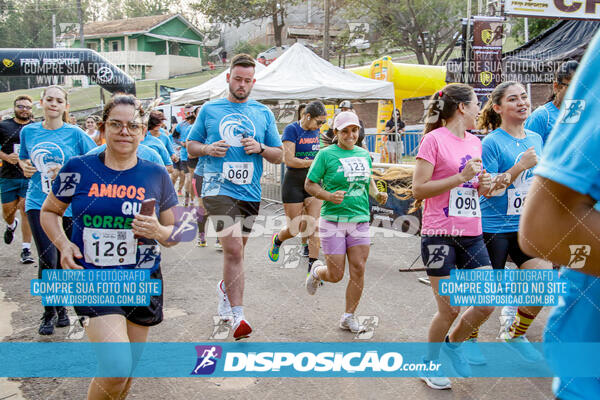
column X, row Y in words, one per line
column 345, row 119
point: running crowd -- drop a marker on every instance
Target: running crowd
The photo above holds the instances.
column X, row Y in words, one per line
column 77, row 191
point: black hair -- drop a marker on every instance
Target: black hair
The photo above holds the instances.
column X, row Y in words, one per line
column 565, row 71
column 315, row 109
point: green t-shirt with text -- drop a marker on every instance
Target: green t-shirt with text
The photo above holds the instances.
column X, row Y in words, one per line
column 348, row 170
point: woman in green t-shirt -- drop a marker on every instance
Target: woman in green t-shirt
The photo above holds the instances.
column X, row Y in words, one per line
column 344, row 173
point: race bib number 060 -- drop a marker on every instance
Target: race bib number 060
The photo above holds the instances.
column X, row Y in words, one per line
column 464, row 202
column 109, row 247
column 239, row 173
column 355, row 166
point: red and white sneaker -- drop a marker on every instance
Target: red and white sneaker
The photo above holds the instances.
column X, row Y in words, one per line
column 241, row 329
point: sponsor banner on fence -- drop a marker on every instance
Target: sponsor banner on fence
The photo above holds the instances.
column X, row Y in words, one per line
column 584, row 9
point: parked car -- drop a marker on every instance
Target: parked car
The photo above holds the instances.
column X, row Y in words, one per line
column 270, row 55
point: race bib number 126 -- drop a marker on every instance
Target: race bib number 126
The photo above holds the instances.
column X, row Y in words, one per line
column 109, row 247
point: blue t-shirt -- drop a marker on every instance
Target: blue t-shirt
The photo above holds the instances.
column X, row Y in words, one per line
column 307, row 142
column 237, row 174
column 570, row 158
column 500, row 152
column 46, row 149
column 183, row 128
column 144, row 152
column 164, row 138
column 160, row 148
column 542, row 120
column 104, row 203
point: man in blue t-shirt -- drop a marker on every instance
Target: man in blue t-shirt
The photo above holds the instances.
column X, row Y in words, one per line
column 543, row 119
column 560, row 223
column 160, row 148
column 235, row 134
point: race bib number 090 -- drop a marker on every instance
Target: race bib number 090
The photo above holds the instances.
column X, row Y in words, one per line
column 109, row 247
column 464, row 202
column 355, row 166
column 239, row 173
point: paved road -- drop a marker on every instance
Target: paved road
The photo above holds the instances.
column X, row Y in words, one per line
column 280, row 310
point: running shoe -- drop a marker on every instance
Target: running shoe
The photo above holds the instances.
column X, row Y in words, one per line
column 26, row 257
column 508, row 315
column 473, row 353
column 523, row 347
column 63, row 318
column 274, row 250
column 9, row 233
column 457, row 357
column 351, row 324
column 312, row 280
column 47, row 325
column 437, row 382
column 201, row 242
column 241, row 329
column 305, row 250
column 224, row 307
column 218, row 246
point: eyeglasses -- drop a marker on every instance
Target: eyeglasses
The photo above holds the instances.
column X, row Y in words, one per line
column 319, row 123
column 20, row 107
column 133, row 127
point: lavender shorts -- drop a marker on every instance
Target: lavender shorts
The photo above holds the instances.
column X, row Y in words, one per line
column 336, row 237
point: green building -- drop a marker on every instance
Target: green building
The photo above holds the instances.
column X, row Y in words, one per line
column 154, row 47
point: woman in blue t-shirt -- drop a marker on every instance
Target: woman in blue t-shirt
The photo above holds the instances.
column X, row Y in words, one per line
column 300, row 147
column 510, row 152
column 45, row 147
column 107, row 193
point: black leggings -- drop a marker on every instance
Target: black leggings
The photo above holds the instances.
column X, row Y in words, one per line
column 48, row 255
column 502, row 245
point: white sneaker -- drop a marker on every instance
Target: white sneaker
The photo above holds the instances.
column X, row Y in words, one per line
column 437, row 382
column 351, row 323
column 312, row 281
column 522, row 347
column 218, row 246
column 224, row 307
column 241, row 329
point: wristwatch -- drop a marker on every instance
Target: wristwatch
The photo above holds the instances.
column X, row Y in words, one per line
column 262, row 148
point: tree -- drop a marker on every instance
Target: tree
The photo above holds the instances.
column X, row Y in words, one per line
column 536, row 26
column 429, row 28
column 236, row 12
column 120, row 9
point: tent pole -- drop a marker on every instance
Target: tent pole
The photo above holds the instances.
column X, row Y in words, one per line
column 396, row 129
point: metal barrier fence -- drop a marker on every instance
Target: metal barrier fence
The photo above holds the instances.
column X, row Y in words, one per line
column 271, row 181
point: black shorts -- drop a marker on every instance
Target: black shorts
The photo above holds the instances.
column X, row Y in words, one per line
column 227, row 211
column 142, row 315
column 182, row 166
column 292, row 188
column 198, row 185
column 501, row 245
column 191, row 163
column 441, row 254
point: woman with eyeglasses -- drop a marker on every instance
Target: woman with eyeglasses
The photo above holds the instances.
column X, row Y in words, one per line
column 300, row 147
column 113, row 187
column 45, row 147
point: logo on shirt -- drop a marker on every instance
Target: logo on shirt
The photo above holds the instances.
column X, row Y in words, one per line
column 68, row 183
column 207, row 359
column 46, row 155
column 571, row 111
column 234, row 127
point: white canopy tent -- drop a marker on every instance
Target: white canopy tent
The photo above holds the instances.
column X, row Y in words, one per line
column 298, row 74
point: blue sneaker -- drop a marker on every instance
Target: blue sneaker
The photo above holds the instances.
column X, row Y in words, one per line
column 458, row 359
column 274, row 250
column 523, row 347
column 473, row 352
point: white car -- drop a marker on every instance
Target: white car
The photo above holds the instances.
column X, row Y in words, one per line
column 268, row 56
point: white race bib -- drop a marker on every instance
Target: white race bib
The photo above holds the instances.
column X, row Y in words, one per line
column 516, row 201
column 355, row 166
column 46, row 182
column 464, row 202
column 109, row 247
column 16, row 148
column 239, row 173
